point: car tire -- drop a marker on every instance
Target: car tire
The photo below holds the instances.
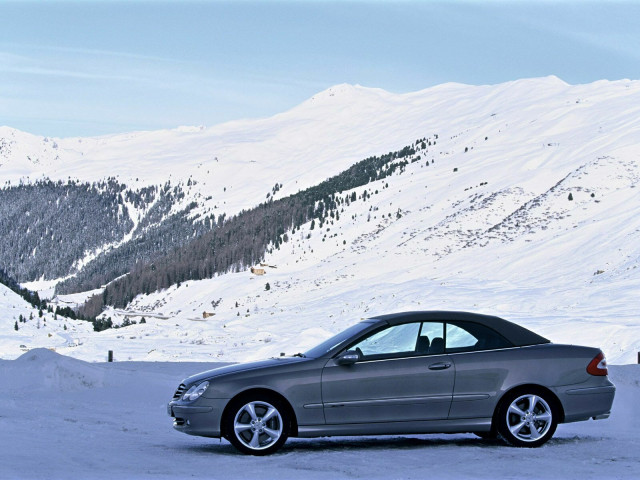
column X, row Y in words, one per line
column 257, row 424
column 527, row 418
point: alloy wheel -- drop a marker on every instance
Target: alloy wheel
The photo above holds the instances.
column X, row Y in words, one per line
column 258, row 425
column 529, row 418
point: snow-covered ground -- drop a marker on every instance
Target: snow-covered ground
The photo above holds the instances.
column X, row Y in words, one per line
column 63, row 418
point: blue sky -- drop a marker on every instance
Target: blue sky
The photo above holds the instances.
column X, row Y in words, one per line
column 95, row 67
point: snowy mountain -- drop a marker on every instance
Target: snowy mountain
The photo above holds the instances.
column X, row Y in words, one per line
column 519, row 200
column 328, row 133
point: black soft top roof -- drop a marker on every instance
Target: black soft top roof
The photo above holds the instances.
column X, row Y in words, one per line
column 517, row 335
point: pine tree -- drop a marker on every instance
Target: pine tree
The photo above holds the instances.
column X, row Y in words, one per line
column 570, row 197
column 267, row 286
column 15, row 327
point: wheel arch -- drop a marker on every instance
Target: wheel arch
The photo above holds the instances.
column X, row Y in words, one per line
column 252, row 393
column 524, row 388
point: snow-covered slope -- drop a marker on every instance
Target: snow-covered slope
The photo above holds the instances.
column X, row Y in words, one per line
column 237, row 163
column 63, row 417
column 487, row 225
column 34, row 330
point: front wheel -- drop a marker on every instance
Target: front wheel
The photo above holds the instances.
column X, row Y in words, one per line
column 527, row 419
column 257, row 426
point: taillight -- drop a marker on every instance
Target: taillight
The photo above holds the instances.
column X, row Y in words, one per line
column 598, row 366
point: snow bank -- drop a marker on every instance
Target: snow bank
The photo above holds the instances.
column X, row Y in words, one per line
column 41, row 369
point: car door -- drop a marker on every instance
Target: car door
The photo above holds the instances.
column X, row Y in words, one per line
column 403, row 375
column 483, row 360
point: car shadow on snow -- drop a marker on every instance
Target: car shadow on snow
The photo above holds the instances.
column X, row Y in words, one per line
column 384, row 443
column 343, row 444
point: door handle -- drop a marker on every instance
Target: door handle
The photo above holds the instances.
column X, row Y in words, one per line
column 439, row 366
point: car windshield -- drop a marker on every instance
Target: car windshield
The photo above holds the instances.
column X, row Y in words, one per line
column 319, row 350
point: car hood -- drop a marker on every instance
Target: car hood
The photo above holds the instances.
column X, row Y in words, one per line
column 241, row 367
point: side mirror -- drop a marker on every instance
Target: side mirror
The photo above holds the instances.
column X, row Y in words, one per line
column 348, row 358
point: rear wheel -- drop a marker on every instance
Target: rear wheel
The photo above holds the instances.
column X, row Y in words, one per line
column 257, row 425
column 527, row 418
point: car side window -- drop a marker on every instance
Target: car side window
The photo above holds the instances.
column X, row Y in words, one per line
column 470, row 337
column 431, row 340
column 392, row 341
column 459, row 338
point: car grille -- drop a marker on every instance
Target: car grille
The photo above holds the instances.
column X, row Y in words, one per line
column 181, row 389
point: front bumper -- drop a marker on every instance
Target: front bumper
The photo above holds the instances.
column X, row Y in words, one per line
column 201, row 420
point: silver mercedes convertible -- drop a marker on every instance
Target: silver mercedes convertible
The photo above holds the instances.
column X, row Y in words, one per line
column 405, row 373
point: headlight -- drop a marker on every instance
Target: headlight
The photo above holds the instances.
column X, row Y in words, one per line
column 195, row 391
